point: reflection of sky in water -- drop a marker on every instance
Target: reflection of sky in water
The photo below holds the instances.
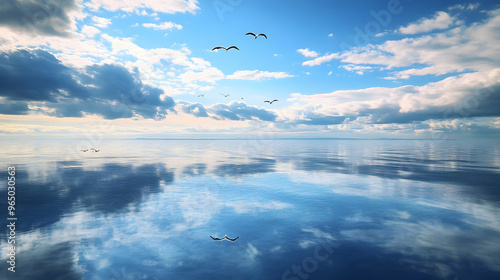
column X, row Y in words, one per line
column 146, row 209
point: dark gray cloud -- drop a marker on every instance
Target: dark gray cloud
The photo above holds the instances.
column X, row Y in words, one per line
column 36, row 76
column 483, row 103
column 195, row 109
column 236, row 111
column 239, row 111
column 48, row 17
column 14, row 108
column 115, row 84
column 318, row 119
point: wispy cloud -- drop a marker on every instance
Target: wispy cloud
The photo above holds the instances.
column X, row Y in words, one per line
column 320, row 60
column 459, row 49
column 441, row 20
column 90, row 31
column 257, row 75
column 208, row 75
column 470, row 7
column 307, row 53
column 359, row 69
column 163, row 26
column 101, row 22
column 166, row 6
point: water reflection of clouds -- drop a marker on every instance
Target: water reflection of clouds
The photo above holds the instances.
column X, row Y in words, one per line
column 111, row 188
column 244, row 206
column 397, row 167
column 256, row 166
column 106, row 210
column 433, row 242
column 431, row 195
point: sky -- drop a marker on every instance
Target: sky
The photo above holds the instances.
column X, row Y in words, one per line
column 339, row 69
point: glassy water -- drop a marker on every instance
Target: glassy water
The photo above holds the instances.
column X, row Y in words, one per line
column 315, row 209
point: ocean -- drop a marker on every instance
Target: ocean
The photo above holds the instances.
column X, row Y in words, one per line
column 300, row 209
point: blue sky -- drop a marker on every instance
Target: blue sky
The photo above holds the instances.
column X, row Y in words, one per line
column 364, row 69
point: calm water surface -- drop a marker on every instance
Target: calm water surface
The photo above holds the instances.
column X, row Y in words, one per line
column 315, row 209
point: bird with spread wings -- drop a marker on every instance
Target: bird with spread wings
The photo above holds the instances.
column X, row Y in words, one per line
column 255, row 36
column 225, row 237
column 226, row 49
column 270, row 102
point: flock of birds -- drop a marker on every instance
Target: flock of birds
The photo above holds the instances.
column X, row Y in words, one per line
column 236, row 48
column 225, row 237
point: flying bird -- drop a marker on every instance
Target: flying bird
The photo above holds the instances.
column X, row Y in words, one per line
column 201, row 95
column 92, row 149
column 85, row 150
column 225, row 95
column 225, row 237
column 255, row 36
column 270, row 102
column 226, row 49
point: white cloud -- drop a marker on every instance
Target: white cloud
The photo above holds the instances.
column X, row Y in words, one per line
column 75, row 50
column 145, row 13
column 405, row 99
column 463, row 48
column 307, row 53
column 470, row 7
column 330, row 35
column 209, row 75
column 163, row 26
column 161, row 6
column 441, row 20
column 473, row 6
column 257, row 75
column 155, row 56
column 356, row 68
column 320, row 60
column 101, row 22
column 90, row 31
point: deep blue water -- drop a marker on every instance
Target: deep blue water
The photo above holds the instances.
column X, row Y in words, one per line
column 303, row 209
